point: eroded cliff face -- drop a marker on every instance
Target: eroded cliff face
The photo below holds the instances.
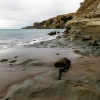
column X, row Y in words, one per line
column 56, row 22
column 89, row 9
column 84, row 31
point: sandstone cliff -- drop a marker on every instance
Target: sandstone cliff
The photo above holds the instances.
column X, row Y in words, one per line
column 89, row 8
column 56, row 22
column 84, row 30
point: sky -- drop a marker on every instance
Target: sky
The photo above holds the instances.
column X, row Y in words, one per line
column 15, row 14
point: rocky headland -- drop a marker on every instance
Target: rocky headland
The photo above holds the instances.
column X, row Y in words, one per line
column 85, row 27
column 52, row 23
column 82, row 32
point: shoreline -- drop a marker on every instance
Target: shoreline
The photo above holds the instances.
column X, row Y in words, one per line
column 30, row 71
column 11, row 38
column 31, row 61
column 8, row 70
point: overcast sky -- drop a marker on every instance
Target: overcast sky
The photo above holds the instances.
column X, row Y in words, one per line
column 20, row 13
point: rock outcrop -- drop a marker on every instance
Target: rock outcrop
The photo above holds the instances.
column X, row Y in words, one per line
column 44, row 87
column 85, row 24
column 52, row 33
column 89, row 9
column 83, row 31
column 52, row 23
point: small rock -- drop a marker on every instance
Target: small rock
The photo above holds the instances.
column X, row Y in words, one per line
column 87, row 38
column 58, row 32
column 15, row 56
column 81, row 57
column 12, row 61
column 95, row 43
column 58, row 37
column 7, row 99
column 52, row 33
column 23, row 69
column 57, row 54
column 4, row 60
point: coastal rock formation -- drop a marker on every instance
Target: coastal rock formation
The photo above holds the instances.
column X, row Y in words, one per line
column 85, row 27
column 52, row 23
column 83, row 31
column 4, row 60
column 89, row 9
column 44, row 87
column 52, row 33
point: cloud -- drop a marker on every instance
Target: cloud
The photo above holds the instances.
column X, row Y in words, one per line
column 20, row 13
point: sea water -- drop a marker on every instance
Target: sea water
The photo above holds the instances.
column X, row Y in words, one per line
column 12, row 37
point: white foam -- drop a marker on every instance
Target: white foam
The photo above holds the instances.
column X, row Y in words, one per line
column 46, row 38
column 24, row 37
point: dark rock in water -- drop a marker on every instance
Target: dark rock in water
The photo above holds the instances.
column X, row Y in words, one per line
column 52, row 33
column 58, row 32
column 4, row 60
column 63, row 63
column 12, row 61
column 15, row 56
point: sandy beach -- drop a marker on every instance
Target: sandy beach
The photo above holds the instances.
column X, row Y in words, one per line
column 26, row 62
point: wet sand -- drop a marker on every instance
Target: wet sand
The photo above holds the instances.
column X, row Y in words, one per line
column 41, row 59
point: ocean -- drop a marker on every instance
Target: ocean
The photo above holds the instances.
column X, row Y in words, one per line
column 13, row 37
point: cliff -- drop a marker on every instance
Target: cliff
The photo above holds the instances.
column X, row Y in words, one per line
column 84, row 30
column 56, row 22
column 89, row 9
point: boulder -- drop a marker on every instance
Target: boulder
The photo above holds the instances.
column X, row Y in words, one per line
column 52, row 33
column 4, row 60
column 12, row 61
column 63, row 63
